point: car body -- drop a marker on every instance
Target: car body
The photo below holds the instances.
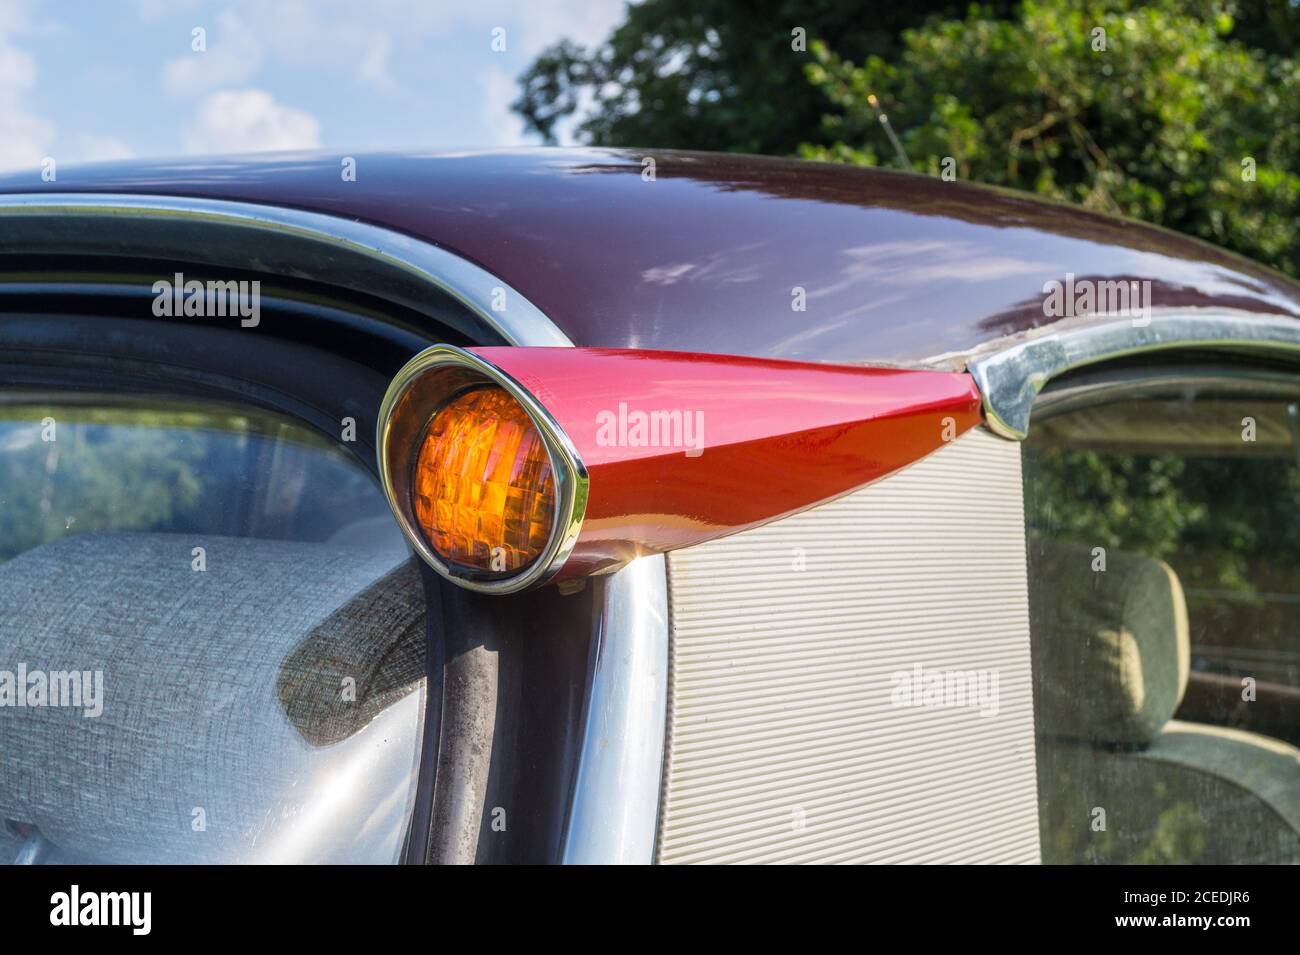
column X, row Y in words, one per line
column 864, row 666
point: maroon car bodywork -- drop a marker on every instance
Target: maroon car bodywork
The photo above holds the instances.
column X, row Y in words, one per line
column 709, row 253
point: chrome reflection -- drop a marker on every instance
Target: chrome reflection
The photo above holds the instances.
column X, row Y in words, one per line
column 615, row 809
column 1010, row 378
column 275, row 240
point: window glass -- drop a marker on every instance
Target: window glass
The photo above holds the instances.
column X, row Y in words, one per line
column 1164, row 568
column 211, row 639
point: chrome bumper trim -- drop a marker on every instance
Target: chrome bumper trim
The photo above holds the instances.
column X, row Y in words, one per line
column 615, row 812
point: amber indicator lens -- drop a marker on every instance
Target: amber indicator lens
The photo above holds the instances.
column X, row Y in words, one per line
column 484, row 493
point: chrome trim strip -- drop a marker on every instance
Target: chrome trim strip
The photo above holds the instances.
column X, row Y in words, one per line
column 334, row 247
column 571, row 482
column 615, row 811
column 1010, row 379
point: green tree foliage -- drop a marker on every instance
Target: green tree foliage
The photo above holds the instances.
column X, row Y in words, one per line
column 170, row 470
column 1217, row 519
column 1158, row 111
column 711, row 74
column 99, row 475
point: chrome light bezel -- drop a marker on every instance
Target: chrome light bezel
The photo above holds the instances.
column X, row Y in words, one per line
column 430, row 379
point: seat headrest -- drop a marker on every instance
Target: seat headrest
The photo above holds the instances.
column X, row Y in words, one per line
column 1110, row 647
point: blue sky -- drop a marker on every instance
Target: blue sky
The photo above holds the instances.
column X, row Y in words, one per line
column 106, row 79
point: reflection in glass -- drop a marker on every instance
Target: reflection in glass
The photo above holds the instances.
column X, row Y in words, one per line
column 1164, row 571
column 238, row 586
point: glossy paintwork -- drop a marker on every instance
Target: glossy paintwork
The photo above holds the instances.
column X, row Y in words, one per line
column 707, row 256
column 764, row 439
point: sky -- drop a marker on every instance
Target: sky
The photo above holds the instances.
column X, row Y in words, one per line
column 84, row 80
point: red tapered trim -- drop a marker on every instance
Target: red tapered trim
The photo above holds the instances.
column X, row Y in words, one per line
column 775, row 437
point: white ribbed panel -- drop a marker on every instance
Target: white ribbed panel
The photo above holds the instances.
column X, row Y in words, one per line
column 784, row 742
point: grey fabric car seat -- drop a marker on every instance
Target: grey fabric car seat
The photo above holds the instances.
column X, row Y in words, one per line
column 221, row 693
column 1119, row 779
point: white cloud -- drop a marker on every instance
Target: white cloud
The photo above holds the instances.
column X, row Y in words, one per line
column 88, row 147
column 233, row 53
column 499, row 91
column 248, row 120
column 153, row 9
column 540, row 23
column 360, row 38
column 244, row 38
column 379, row 45
column 25, row 137
column 583, row 21
column 374, row 69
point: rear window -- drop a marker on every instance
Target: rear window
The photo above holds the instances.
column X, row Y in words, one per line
column 1164, row 570
column 211, row 639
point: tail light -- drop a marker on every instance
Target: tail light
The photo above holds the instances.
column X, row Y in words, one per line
column 485, row 484
column 483, row 491
column 510, row 467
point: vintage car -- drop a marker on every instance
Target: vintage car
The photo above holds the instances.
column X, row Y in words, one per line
column 625, row 507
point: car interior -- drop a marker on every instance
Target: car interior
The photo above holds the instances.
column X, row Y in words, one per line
column 1164, row 589
column 256, row 618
